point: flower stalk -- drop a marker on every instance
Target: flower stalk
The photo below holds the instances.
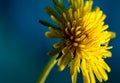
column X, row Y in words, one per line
column 47, row 69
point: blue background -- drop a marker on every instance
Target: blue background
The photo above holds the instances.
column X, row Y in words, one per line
column 23, row 46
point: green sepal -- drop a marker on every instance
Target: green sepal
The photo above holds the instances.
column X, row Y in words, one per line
column 54, row 52
column 50, row 12
column 47, row 24
column 57, row 50
column 60, row 8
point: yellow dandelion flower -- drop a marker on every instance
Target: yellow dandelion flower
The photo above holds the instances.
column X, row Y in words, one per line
column 84, row 39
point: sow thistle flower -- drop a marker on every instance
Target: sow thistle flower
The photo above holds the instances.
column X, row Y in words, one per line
column 84, row 39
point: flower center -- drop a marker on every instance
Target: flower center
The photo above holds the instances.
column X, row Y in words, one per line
column 74, row 34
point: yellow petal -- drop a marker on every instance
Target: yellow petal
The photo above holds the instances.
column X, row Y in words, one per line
column 92, row 77
column 85, row 71
column 53, row 33
column 102, row 72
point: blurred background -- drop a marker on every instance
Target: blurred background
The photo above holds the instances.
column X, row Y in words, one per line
column 23, row 46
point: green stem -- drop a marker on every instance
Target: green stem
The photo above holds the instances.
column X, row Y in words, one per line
column 47, row 69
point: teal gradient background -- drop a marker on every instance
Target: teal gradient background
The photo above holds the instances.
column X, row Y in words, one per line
column 23, row 46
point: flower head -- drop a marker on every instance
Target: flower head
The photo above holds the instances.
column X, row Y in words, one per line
column 84, row 39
